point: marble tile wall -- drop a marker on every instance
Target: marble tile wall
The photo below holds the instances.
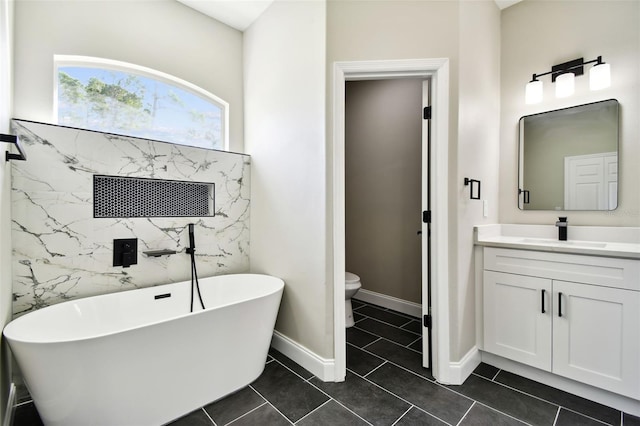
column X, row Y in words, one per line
column 61, row 252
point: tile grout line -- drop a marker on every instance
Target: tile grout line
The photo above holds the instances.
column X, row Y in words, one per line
column 266, row 402
column 244, row 414
column 24, row 403
column 366, row 351
column 382, row 308
column 209, row 417
column 496, row 375
column 401, row 416
column 314, row 410
column 413, row 343
column 467, row 412
column 584, row 415
column 368, row 344
column 403, row 368
column 291, row 370
column 545, row 400
column 399, row 327
column 389, row 325
column 556, row 418
column 402, row 399
column 337, row 402
column 383, row 363
column 388, row 340
column 518, row 390
column 503, row 413
column 397, row 396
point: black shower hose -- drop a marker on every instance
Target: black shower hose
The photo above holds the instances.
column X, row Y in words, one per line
column 194, row 280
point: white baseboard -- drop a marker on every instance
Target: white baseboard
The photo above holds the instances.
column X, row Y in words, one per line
column 601, row 396
column 10, row 407
column 462, row 369
column 322, row 368
column 390, row 302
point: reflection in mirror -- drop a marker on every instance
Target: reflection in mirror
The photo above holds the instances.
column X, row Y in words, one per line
column 568, row 158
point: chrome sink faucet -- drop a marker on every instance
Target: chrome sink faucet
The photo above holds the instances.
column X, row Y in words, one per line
column 562, row 225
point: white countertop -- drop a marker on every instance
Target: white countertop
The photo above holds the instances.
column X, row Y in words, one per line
column 608, row 241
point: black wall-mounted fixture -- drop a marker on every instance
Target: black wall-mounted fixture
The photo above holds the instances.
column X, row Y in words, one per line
column 16, row 141
column 563, row 75
column 125, row 252
column 474, row 184
column 525, row 195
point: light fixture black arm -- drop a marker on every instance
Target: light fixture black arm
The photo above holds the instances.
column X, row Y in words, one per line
column 22, row 155
column 576, row 65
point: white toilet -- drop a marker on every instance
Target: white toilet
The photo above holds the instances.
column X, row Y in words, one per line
column 351, row 287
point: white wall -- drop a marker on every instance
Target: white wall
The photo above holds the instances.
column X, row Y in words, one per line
column 380, row 30
column 477, row 154
column 539, row 34
column 163, row 35
column 6, row 101
column 284, row 58
column 468, row 34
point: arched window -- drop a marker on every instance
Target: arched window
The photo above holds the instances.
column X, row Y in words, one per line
column 127, row 99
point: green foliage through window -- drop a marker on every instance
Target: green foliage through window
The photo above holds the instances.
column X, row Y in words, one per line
column 132, row 104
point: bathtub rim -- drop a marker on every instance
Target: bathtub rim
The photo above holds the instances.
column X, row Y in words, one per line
column 11, row 337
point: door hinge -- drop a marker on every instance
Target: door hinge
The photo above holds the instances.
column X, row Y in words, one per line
column 427, row 321
column 426, row 216
column 426, row 113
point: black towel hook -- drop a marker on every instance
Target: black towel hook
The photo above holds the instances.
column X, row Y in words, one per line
column 14, row 140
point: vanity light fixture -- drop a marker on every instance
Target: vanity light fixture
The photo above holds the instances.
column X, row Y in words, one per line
column 564, row 76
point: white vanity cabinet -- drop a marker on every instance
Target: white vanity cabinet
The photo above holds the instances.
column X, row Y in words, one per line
column 573, row 315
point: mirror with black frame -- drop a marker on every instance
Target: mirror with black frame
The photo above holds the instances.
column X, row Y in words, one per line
column 568, row 158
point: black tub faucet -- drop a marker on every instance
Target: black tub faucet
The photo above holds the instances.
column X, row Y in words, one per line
column 562, row 225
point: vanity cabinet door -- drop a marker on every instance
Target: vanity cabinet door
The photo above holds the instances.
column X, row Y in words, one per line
column 517, row 318
column 596, row 336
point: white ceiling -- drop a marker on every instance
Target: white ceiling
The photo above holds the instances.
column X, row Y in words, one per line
column 240, row 14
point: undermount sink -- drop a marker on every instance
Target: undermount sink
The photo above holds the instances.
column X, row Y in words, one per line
column 576, row 244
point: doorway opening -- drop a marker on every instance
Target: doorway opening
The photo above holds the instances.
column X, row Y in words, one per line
column 385, row 136
column 437, row 71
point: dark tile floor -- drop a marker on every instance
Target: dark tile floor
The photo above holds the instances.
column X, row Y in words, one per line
column 386, row 385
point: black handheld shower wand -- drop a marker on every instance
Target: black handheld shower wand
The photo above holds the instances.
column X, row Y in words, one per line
column 191, row 250
column 192, row 243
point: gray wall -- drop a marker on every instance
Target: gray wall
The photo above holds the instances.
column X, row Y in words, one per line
column 383, row 146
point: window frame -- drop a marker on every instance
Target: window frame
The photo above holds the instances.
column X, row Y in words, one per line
column 61, row 61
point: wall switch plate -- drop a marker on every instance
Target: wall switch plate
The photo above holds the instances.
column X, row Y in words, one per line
column 125, row 252
column 485, row 208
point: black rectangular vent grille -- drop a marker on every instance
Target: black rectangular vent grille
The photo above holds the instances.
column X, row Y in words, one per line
column 121, row 197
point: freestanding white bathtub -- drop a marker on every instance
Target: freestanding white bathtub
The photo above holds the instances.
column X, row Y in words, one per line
column 139, row 358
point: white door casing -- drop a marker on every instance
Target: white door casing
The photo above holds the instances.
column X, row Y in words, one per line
column 425, row 231
column 438, row 72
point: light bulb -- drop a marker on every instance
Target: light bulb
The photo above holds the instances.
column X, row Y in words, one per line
column 565, row 85
column 533, row 92
column 600, row 77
